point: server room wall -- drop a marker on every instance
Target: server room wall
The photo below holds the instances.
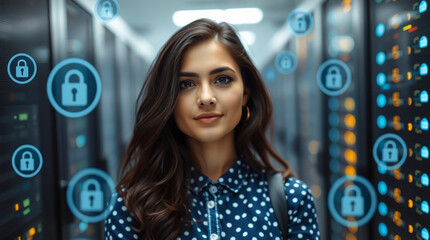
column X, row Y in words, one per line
column 333, row 140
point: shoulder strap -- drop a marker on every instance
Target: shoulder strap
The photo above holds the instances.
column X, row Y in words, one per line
column 279, row 202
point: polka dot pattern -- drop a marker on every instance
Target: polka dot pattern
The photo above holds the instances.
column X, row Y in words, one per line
column 236, row 206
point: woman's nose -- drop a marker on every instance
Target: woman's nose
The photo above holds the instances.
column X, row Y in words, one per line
column 206, row 95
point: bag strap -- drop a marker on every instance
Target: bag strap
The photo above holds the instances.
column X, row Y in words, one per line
column 279, row 202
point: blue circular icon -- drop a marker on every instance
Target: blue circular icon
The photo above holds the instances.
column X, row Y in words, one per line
column 353, row 200
column 106, row 10
column 22, row 68
column 333, row 119
column 381, row 121
column 333, row 77
column 27, row 161
column 286, row 62
column 74, row 87
column 300, row 22
column 381, row 100
column 386, row 152
column 270, row 74
column 380, row 30
column 380, row 58
column 88, row 190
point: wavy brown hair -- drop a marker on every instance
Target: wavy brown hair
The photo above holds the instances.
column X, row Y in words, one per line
column 156, row 165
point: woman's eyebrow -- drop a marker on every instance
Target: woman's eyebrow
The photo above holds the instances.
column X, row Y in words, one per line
column 216, row 70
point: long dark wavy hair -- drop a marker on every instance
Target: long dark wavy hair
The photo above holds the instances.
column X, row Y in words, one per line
column 155, row 169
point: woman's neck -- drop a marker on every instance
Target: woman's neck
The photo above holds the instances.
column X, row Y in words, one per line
column 213, row 159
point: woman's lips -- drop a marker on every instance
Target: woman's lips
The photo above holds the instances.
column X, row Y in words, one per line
column 208, row 120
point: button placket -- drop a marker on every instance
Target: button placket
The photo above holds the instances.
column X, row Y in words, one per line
column 212, row 210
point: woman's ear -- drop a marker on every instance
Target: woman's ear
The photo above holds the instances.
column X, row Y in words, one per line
column 246, row 95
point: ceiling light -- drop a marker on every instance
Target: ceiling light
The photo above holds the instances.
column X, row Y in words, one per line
column 231, row 15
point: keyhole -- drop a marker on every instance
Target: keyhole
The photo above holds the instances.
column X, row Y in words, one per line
column 26, row 163
column 91, row 200
column 22, row 71
column 74, row 91
column 389, row 154
column 352, row 206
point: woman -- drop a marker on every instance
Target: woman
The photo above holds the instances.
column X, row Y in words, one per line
column 191, row 169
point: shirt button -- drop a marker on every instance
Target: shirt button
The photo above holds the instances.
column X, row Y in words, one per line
column 211, row 204
column 214, row 236
column 214, row 189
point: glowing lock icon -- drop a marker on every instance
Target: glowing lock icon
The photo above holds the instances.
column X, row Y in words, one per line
column 107, row 9
column 91, row 199
column 424, row 152
column 424, row 97
column 27, row 161
column 423, row 6
column 22, row 69
column 333, row 78
column 352, row 202
column 390, row 153
column 74, row 93
column 286, row 63
column 424, row 69
column 424, row 125
column 300, row 23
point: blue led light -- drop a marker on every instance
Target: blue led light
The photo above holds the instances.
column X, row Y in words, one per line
column 382, row 170
column 425, row 180
column 383, row 230
column 380, row 58
column 80, row 141
column 382, row 188
column 425, row 152
column 423, row 42
column 424, row 69
column 382, row 209
column 334, row 134
column 424, row 97
column 334, row 165
column 380, row 30
column 381, row 79
column 333, row 119
column 425, row 234
column 425, row 207
column 424, row 124
column 333, row 104
column 423, row 6
column 334, row 150
column 381, row 100
column 381, row 121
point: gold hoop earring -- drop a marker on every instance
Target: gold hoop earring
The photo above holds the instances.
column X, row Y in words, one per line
column 248, row 114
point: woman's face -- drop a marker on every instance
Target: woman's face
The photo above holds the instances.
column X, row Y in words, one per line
column 210, row 82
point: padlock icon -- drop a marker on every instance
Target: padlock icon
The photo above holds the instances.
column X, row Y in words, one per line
column 390, row 152
column 27, row 161
column 424, row 96
column 352, row 202
column 286, row 63
column 22, row 69
column 91, row 200
column 424, row 152
column 424, row 125
column 423, row 42
column 107, row 10
column 74, row 93
column 333, row 78
column 300, row 24
column 425, row 179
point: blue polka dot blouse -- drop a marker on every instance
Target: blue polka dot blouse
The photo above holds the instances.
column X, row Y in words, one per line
column 236, row 206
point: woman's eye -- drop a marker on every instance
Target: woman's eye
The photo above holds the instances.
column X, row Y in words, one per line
column 225, row 79
column 185, row 84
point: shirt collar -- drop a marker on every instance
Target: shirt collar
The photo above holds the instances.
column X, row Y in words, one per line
column 232, row 179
